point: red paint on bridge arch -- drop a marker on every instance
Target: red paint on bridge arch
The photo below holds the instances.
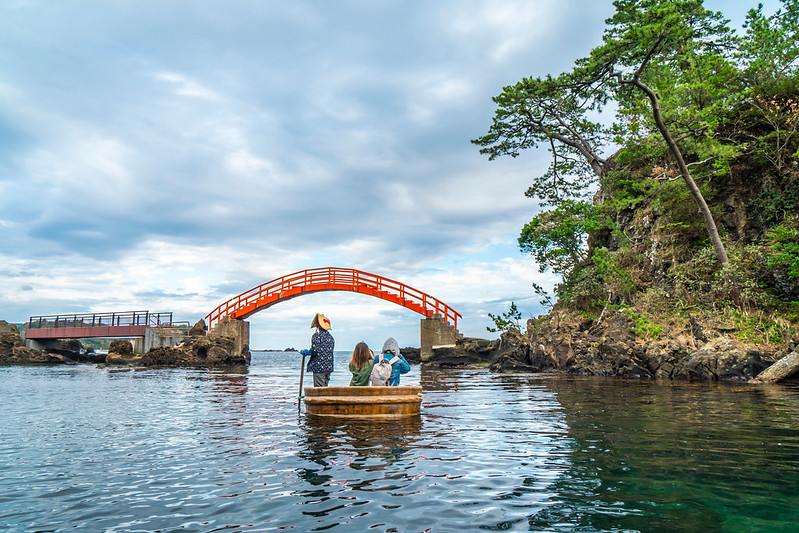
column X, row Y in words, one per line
column 331, row 279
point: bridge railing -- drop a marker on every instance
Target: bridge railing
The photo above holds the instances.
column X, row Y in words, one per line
column 332, row 278
column 87, row 320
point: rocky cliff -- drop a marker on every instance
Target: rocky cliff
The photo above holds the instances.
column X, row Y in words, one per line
column 648, row 299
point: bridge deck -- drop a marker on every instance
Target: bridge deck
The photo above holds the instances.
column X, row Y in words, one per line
column 89, row 325
column 331, row 279
column 86, row 332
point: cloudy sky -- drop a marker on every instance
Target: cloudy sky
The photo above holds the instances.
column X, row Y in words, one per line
column 168, row 155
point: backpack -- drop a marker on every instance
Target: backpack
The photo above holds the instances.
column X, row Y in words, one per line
column 381, row 372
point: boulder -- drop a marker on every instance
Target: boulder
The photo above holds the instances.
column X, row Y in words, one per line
column 412, row 355
column 71, row 350
column 466, row 351
column 21, row 355
column 121, row 347
column 167, row 356
column 198, row 329
column 785, row 368
column 514, row 352
column 121, row 353
column 722, row 359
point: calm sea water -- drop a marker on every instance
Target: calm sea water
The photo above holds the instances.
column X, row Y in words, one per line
column 96, row 449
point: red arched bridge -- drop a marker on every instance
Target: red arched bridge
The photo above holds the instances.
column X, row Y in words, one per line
column 331, row 279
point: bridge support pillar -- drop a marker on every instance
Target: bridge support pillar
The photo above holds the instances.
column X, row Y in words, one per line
column 138, row 345
column 38, row 344
column 232, row 327
column 158, row 336
column 435, row 333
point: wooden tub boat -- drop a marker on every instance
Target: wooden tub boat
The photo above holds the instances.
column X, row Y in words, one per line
column 363, row 402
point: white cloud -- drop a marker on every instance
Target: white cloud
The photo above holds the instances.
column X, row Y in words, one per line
column 506, row 27
column 184, row 86
column 435, row 93
column 208, row 148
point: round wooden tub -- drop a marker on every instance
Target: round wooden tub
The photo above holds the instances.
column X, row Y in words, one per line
column 363, row 402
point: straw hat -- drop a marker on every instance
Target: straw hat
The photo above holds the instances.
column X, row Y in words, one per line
column 319, row 320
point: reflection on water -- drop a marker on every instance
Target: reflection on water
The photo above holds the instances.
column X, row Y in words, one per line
column 678, row 456
column 92, row 449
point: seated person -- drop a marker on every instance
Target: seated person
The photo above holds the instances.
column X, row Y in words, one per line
column 361, row 365
column 390, row 352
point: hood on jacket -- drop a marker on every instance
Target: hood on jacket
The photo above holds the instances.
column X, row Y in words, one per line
column 391, row 346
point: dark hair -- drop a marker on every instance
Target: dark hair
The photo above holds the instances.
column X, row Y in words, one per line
column 361, row 355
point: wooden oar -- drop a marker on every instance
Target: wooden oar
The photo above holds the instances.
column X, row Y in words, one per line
column 302, row 375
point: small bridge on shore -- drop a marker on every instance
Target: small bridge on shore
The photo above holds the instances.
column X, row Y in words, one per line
column 144, row 328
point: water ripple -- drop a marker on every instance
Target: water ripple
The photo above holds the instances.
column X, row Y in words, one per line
column 93, row 449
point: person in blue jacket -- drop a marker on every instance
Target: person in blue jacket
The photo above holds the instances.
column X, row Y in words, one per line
column 400, row 366
column 321, row 352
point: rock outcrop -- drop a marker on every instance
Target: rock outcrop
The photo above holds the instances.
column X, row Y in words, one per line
column 13, row 351
column 723, row 359
column 198, row 329
column 211, row 350
column 9, row 339
column 612, row 347
column 412, row 355
column 121, row 353
column 467, row 351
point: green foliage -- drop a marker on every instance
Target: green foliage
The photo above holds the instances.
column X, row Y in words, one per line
column 642, row 326
column 624, row 190
column 785, row 249
column 770, row 49
column 582, row 290
column 679, row 49
column 699, row 279
column 551, row 112
column 507, row 320
column 757, row 328
column 556, row 238
column 546, row 300
column 617, row 281
column 775, row 200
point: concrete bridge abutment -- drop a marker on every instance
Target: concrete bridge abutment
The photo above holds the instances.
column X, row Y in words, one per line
column 435, row 332
column 157, row 336
column 239, row 330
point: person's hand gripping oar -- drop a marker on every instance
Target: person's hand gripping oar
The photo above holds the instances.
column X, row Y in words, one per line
column 302, row 375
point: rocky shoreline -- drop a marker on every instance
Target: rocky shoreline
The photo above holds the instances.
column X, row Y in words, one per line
column 611, row 347
column 554, row 344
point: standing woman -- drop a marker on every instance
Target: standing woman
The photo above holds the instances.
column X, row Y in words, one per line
column 361, row 365
column 321, row 352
